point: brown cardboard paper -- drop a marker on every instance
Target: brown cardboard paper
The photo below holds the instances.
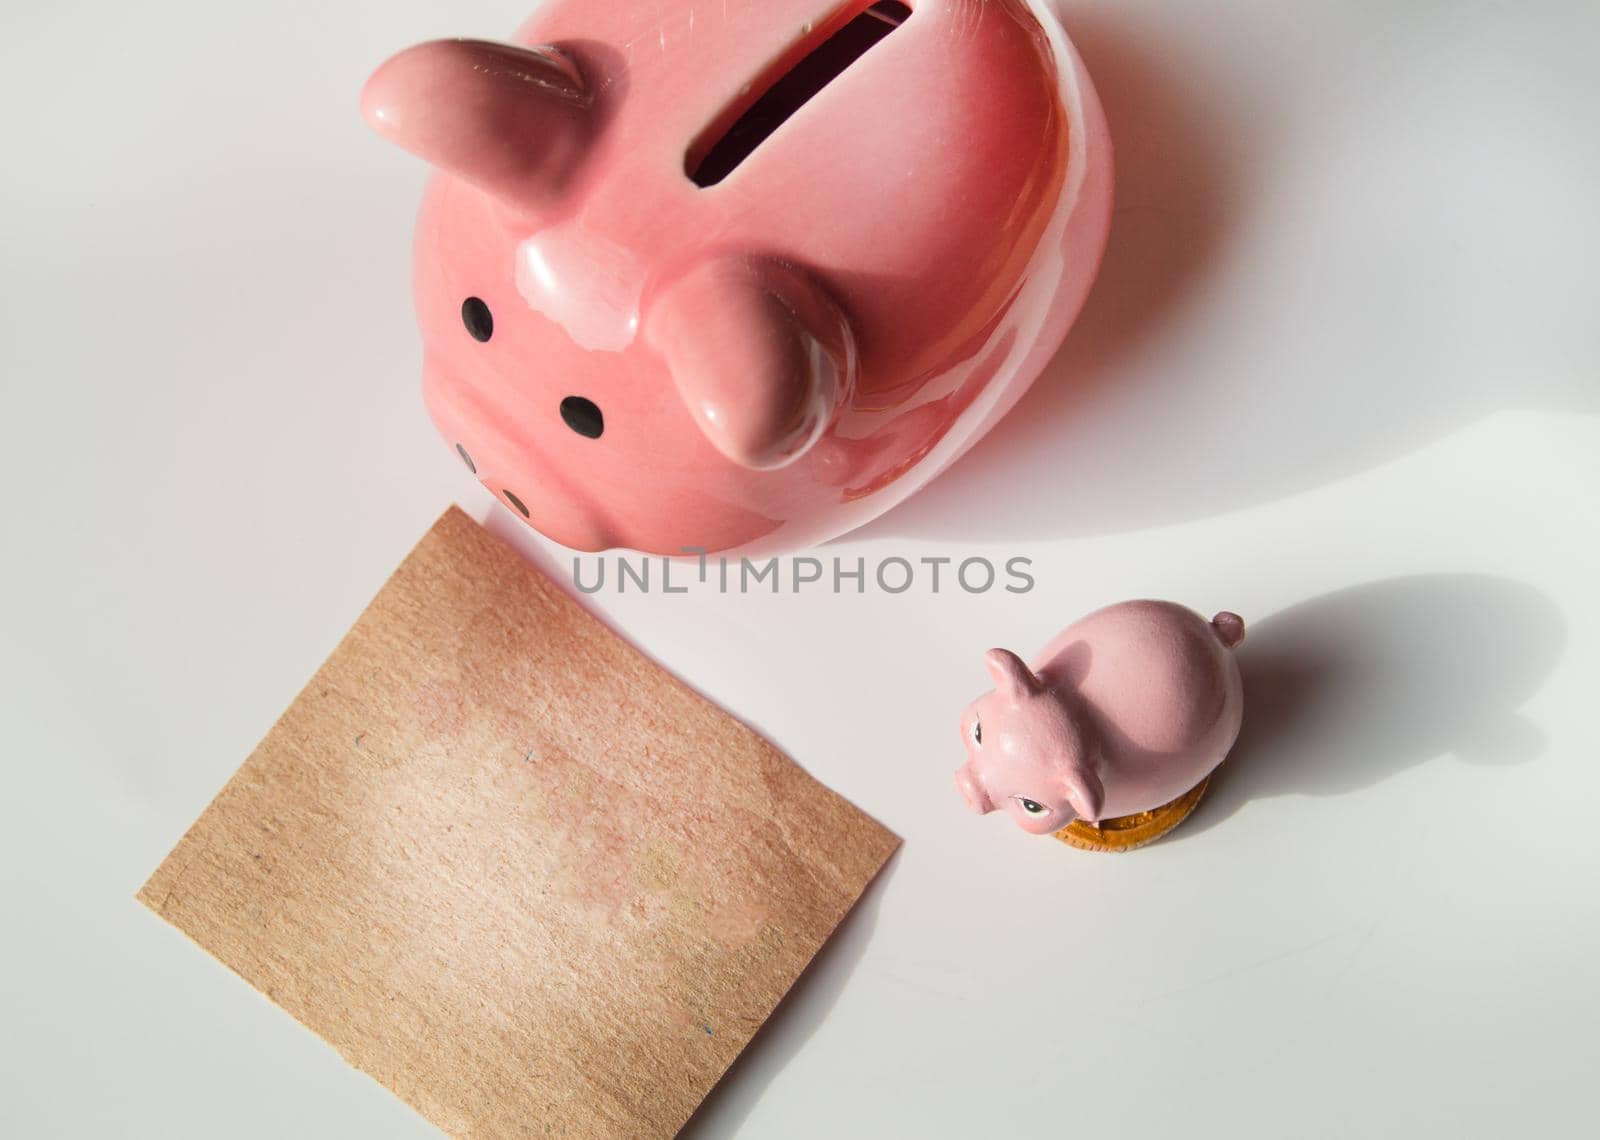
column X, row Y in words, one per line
column 512, row 869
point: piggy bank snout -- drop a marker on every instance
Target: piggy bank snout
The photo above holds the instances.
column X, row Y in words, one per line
column 971, row 789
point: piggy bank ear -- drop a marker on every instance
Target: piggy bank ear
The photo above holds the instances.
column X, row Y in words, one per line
column 1085, row 793
column 1009, row 673
column 513, row 121
column 760, row 354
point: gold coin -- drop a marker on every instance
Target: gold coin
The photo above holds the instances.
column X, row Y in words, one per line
column 1126, row 832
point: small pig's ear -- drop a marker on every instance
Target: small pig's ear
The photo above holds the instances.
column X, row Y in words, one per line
column 761, row 355
column 1010, row 673
column 1085, row 793
column 513, row 121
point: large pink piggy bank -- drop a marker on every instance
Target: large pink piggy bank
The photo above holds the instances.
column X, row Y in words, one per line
column 1124, row 712
column 742, row 274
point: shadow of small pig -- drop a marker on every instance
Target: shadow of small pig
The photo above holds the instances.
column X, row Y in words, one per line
column 1342, row 691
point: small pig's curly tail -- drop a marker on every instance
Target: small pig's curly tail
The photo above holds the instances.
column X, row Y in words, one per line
column 1229, row 627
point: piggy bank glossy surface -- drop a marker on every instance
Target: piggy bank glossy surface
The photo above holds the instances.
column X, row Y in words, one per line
column 742, row 275
column 1126, row 710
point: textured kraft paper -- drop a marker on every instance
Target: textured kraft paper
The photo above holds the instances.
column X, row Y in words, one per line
column 512, row 869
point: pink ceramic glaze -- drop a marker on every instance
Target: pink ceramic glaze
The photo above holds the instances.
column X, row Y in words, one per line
column 627, row 357
column 1126, row 710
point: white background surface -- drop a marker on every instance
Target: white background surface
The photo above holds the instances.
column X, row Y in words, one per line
column 1361, row 236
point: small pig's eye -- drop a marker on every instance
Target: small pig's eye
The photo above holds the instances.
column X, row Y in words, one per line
column 1032, row 807
column 977, row 731
column 478, row 319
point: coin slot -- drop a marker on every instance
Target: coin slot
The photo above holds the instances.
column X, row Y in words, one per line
column 792, row 85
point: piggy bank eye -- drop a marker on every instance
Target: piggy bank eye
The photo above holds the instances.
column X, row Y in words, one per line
column 977, row 731
column 478, row 319
column 583, row 416
column 1032, row 807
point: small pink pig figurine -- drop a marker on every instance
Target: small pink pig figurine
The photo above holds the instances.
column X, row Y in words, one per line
column 1128, row 710
column 742, row 274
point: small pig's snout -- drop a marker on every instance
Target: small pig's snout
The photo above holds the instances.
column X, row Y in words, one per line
column 972, row 791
